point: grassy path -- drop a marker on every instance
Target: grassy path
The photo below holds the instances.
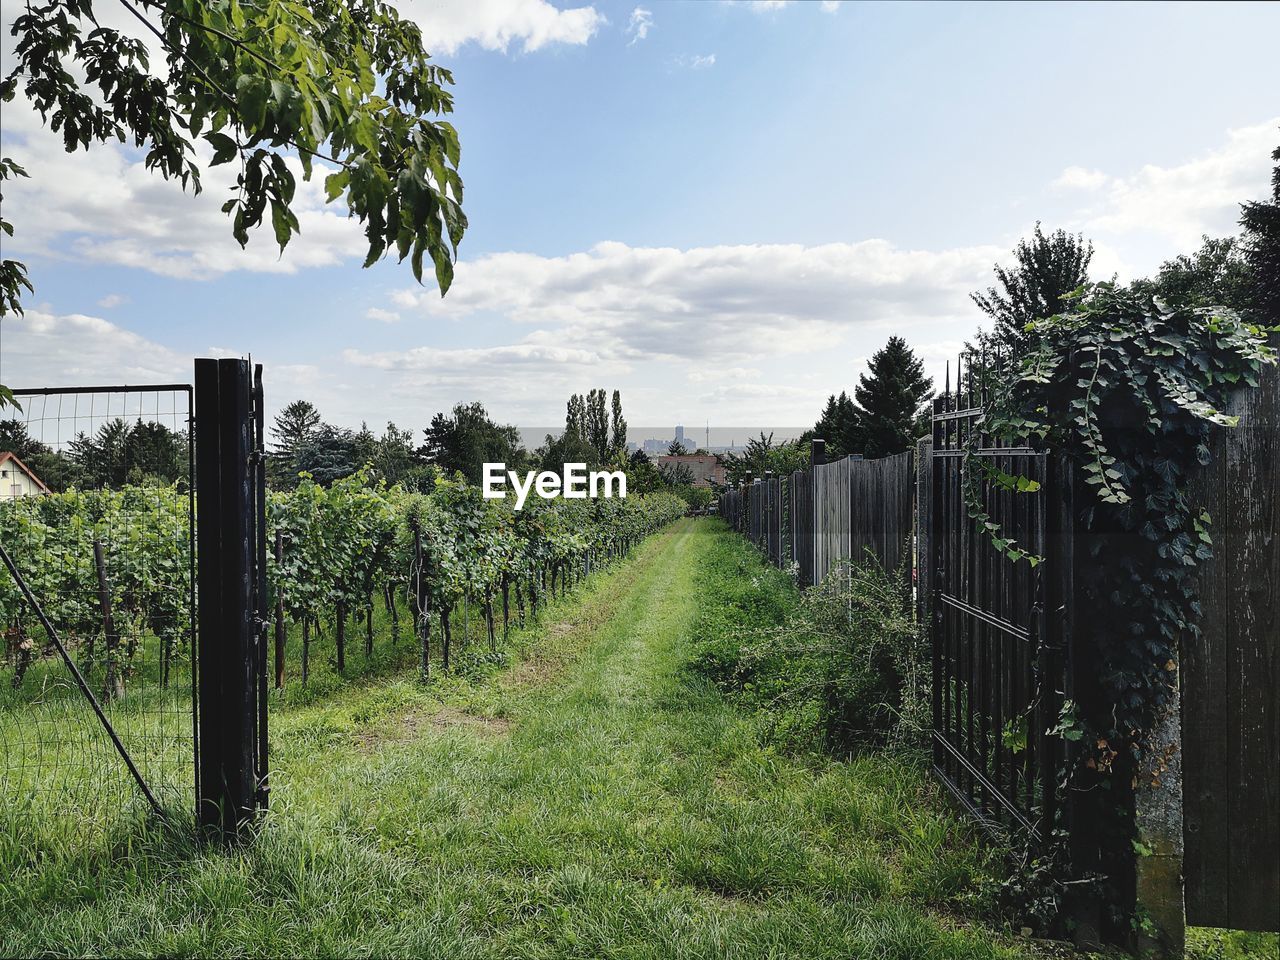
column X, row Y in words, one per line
column 595, row 801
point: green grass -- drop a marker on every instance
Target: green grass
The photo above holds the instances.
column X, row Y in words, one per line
column 595, row 799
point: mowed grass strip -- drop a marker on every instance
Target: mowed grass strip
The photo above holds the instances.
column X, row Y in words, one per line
column 597, row 801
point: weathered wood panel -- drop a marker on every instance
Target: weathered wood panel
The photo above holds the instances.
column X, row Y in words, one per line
column 1231, row 679
column 831, row 516
column 802, row 537
column 881, row 510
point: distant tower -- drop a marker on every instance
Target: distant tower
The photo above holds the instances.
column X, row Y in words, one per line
column 680, row 435
column 707, row 443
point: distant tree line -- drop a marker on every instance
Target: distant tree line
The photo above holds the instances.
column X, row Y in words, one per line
column 460, row 441
column 143, row 452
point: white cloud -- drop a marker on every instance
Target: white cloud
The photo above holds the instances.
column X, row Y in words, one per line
column 693, row 61
column 1078, row 178
column 830, row 6
column 525, row 382
column 720, row 374
column 112, row 300
column 452, row 363
column 1178, row 204
column 42, row 348
column 629, row 303
column 638, row 27
column 448, row 25
column 385, row 316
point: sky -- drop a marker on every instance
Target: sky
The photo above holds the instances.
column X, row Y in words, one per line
column 721, row 209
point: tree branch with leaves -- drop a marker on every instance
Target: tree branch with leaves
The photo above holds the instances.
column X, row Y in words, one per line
column 345, row 83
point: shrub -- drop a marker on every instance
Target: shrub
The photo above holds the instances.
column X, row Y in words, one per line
column 846, row 667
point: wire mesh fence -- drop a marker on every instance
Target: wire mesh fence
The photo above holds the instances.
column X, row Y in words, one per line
column 96, row 612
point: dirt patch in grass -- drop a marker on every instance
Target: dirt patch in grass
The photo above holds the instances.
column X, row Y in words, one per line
column 533, row 669
column 415, row 725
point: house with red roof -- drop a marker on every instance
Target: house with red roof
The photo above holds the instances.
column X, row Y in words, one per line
column 17, row 479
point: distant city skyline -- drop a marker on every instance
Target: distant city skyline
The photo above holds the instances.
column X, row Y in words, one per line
column 695, row 437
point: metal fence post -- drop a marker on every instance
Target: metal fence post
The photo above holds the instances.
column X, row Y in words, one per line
column 230, row 627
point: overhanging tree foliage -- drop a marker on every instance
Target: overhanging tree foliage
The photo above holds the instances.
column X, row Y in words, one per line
column 347, row 84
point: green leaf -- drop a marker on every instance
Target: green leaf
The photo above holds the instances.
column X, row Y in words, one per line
column 225, row 149
column 335, row 184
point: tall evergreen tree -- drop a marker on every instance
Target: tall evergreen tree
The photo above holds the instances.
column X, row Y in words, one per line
column 618, row 426
column 840, row 426
column 1047, row 268
column 597, row 433
column 890, row 397
column 1261, row 222
column 294, row 426
column 575, row 419
column 328, row 453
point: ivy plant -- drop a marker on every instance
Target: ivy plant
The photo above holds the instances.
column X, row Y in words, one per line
column 1130, row 389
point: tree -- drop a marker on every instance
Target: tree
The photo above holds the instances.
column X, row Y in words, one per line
column 293, row 428
column 618, row 426
column 597, row 423
column 840, row 426
column 395, row 460
column 1261, row 222
column 569, row 447
column 1218, row 274
column 146, row 452
column 676, row 474
column 761, row 455
column 575, row 418
column 345, row 84
column 643, row 476
column 677, row 449
column 56, row 471
column 1047, row 269
column 890, row 397
column 468, row 439
column 152, row 452
column 328, row 453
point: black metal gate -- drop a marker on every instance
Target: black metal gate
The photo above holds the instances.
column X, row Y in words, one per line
column 998, row 673
column 97, row 609
column 132, row 607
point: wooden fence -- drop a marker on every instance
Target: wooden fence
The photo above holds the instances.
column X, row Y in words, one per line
column 1231, row 679
column 811, row 520
column 1005, row 650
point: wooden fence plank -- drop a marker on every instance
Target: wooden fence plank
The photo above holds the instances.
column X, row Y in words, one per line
column 1231, row 679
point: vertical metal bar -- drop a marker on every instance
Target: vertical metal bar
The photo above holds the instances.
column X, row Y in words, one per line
column 211, row 788
column 193, row 619
column 259, row 522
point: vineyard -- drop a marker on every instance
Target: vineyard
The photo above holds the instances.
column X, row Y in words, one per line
column 448, row 572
